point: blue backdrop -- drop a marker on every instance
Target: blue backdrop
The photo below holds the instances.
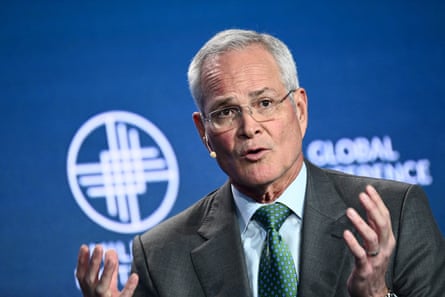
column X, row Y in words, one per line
column 374, row 72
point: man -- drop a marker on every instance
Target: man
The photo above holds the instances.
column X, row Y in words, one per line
column 344, row 236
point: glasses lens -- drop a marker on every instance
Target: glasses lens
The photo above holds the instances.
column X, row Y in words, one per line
column 223, row 123
column 264, row 109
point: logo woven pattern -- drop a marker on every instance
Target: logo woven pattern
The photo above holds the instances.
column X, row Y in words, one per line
column 277, row 274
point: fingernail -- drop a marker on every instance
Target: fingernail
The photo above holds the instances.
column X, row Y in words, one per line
column 350, row 212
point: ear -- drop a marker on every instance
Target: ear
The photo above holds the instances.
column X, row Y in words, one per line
column 301, row 103
column 199, row 124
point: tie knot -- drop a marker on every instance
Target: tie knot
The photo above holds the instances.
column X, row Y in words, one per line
column 272, row 215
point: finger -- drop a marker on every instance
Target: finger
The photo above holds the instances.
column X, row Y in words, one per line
column 377, row 212
column 82, row 268
column 113, row 256
column 356, row 249
column 130, row 286
column 109, row 274
column 82, row 262
column 94, row 266
column 371, row 207
column 370, row 237
column 373, row 215
column 375, row 196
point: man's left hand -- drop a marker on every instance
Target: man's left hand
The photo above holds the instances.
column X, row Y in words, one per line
column 371, row 257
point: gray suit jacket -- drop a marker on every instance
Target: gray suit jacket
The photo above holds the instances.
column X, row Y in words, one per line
column 199, row 253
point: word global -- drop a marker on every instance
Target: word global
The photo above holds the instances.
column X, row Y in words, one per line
column 373, row 157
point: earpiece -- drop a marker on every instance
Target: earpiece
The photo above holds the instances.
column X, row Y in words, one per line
column 206, row 141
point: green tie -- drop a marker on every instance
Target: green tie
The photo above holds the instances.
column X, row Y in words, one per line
column 277, row 275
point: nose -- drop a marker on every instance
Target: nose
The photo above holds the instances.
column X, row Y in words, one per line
column 246, row 109
column 248, row 125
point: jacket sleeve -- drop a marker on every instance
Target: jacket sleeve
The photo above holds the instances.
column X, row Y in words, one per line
column 419, row 260
column 139, row 266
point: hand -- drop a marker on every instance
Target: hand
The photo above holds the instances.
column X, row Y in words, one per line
column 105, row 286
column 371, row 260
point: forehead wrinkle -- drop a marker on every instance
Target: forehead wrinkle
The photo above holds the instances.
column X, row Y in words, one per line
column 257, row 93
column 223, row 81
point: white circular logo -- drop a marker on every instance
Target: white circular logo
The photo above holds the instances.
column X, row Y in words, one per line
column 129, row 185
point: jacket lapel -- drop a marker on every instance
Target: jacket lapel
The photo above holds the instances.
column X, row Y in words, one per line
column 219, row 262
column 323, row 251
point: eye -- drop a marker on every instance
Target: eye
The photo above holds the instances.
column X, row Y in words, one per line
column 223, row 113
column 265, row 103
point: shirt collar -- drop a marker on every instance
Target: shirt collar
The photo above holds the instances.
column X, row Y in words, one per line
column 292, row 197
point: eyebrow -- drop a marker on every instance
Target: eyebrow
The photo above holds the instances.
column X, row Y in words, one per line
column 255, row 94
column 229, row 100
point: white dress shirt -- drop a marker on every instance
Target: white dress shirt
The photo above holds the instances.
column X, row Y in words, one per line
column 253, row 234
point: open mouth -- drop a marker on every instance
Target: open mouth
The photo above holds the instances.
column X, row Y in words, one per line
column 254, row 154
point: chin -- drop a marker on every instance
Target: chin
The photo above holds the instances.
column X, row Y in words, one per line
column 257, row 178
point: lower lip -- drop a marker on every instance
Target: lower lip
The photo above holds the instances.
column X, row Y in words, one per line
column 253, row 157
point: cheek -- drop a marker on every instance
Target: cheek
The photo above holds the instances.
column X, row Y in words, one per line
column 223, row 143
column 289, row 136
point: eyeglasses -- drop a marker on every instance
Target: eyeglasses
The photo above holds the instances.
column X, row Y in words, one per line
column 226, row 118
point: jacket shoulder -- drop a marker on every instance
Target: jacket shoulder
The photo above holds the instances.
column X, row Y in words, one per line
column 185, row 222
column 349, row 186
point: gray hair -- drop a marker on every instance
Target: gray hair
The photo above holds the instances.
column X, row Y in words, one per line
column 235, row 39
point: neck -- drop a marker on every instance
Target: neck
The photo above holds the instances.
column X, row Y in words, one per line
column 268, row 193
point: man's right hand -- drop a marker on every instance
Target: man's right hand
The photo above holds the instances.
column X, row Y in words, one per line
column 106, row 286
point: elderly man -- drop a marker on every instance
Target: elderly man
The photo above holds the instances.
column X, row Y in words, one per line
column 280, row 226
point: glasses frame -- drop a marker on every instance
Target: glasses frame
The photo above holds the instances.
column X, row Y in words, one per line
column 239, row 112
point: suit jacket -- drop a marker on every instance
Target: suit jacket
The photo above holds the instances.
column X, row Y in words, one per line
column 199, row 253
